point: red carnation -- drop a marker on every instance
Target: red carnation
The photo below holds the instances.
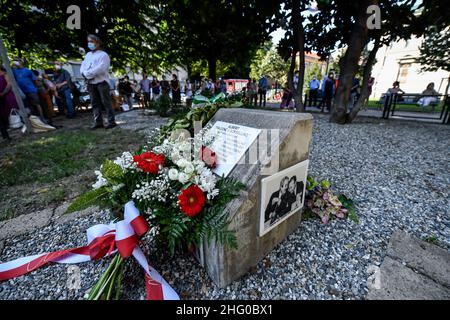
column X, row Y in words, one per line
column 191, row 200
column 149, row 161
column 208, row 157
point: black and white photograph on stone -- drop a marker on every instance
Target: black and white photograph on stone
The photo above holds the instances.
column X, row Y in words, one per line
column 282, row 195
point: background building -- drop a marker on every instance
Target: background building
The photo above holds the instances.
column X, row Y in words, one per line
column 396, row 62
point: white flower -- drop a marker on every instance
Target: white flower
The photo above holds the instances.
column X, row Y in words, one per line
column 173, row 174
column 206, row 180
column 212, row 194
column 182, row 163
column 183, row 177
column 118, row 187
column 189, row 168
column 126, row 161
column 175, row 156
column 155, row 190
column 185, row 147
column 101, row 181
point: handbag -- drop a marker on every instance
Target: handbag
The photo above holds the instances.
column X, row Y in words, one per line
column 38, row 126
column 15, row 121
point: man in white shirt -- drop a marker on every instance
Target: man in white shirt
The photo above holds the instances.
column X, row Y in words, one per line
column 95, row 69
column 314, row 86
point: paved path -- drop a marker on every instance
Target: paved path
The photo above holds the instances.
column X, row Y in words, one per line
column 412, row 270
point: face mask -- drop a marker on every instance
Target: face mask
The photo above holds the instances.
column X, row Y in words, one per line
column 16, row 63
column 58, row 67
column 91, row 46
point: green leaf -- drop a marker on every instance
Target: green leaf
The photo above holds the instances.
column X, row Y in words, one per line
column 112, row 172
column 325, row 184
column 88, row 199
column 348, row 204
column 312, row 183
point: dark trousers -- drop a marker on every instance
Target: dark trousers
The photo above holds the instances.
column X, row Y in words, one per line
column 34, row 104
column 147, row 99
column 4, row 127
column 254, row 98
column 101, row 98
column 66, row 103
column 176, row 96
column 313, row 97
column 262, row 97
column 327, row 103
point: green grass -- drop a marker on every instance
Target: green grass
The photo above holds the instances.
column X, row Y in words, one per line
column 373, row 104
column 432, row 240
column 45, row 159
column 7, row 213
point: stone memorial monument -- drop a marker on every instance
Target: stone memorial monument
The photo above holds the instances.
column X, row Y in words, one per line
column 278, row 142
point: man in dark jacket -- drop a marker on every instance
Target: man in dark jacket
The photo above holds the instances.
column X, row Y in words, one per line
column 63, row 83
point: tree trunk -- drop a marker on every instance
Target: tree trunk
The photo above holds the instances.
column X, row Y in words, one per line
column 366, row 76
column 350, row 62
column 299, row 38
column 212, row 64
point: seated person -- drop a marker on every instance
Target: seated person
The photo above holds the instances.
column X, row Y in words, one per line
column 428, row 96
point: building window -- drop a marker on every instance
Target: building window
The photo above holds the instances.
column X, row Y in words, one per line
column 403, row 72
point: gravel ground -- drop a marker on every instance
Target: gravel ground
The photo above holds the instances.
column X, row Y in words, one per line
column 397, row 172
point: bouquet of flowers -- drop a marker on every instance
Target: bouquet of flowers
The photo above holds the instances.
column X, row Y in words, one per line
column 321, row 201
column 173, row 186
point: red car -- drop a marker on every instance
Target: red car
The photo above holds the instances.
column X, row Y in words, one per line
column 234, row 85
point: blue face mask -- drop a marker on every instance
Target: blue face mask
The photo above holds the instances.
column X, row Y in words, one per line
column 91, row 46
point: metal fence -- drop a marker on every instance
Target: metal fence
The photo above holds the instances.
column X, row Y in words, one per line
column 417, row 106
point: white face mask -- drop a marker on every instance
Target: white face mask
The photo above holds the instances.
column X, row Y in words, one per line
column 58, row 67
column 16, row 63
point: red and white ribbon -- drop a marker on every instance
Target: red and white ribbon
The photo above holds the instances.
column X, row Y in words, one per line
column 122, row 236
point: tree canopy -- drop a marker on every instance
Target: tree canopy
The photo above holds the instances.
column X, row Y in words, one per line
column 36, row 30
column 215, row 30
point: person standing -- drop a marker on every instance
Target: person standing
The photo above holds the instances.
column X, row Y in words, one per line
column 145, row 89
column 27, row 83
column 175, row 87
column 7, row 103
column 314, row 86
column 189, row 92
column 354, row 92
column 262, row 91
column 156, row 89
column 295, row 80
column 370, row 85
column 95, row 68
column 137, row 95
column 210, row 85
column 126, row 90
column 222, row 86
column 62, row 82
column 252, row 92
column 287, row 98
column 328, row 92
